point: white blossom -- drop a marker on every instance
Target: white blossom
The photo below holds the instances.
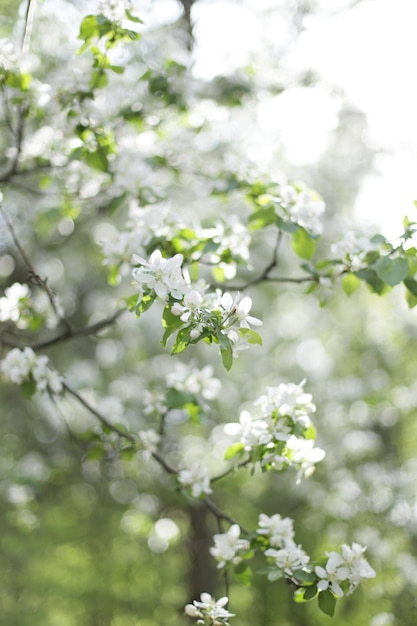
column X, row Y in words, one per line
column 211, row 609
column 287, row 559
column 194, row 380
column 163, row 276
column 9, row 303
column 149, row 439
column 332, row 574
column 237, row 311
column 357, row 564
column 279, row 530
column 288, row 399
column 228, row 547
column 21, row 366
column 304, row 455
column 197, row 478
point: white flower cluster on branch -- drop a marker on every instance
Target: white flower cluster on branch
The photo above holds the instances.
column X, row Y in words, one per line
column 209, row 611
column 25, row 367
column 281, row 434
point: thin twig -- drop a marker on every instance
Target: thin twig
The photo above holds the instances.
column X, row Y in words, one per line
column 230, row 470
column 27, row 31
column 114, row 428
column 32, row 270
column 97, row 414
column 221, row 515
column 66, row 335
column 73, row 333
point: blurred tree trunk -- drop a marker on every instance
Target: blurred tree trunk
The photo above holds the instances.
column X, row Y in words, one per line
column 203, row 573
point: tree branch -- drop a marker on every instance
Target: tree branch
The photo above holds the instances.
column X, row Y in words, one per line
column 33, row 274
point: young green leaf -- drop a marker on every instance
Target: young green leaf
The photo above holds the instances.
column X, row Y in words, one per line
column 302, row 244
column 327, row 602
column 392, row 271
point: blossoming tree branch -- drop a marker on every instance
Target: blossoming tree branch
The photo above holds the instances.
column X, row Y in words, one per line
column 90, row 144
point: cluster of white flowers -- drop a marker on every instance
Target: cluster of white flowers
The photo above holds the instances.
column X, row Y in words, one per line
column 20, row 366
column 288, row 557
column 200, row 382
column 216, row 314
column 149, row 439
column 154, row 402
column 209, row 611
column 163, row 276
column 8, row 55
column 198, row 311
column 233, row 240
column 304, row 207
column 288, row 400
column 352, row 249
column 20, row 306
column 114, row 10
column 228, row 547
column 349, row 566
column 197, row 478
column 283, row 410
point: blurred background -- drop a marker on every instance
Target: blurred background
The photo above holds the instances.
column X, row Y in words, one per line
column 307, row 90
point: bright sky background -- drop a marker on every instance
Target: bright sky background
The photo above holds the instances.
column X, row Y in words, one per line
column 370, row 51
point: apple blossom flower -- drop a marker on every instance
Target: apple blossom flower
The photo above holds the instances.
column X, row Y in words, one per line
column 209, row 609
column 304, row 455
column 197, row 478
column 194, row 380
column 149, row 439
column 357, row 564
column 21, row 366
column 288, row 399
column 279, row 530
column 9, row 303
column 228, row 547
column 287, row 559
column 192, row 303
column 237, row 311
column 332, row 574
column 163, row 276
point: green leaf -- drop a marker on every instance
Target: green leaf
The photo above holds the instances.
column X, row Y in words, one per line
column 302, row 244
column 225, row 350
column 244, row 574
column 391, row 271
column 171, row 323
column 350, row 283
column 218, row 274
column 97, row 160
column 28, row 388
column 327, row 602
column 88, row 28
column 252, row 336
column 182, row 340
column 411, row 299
column 178, row 399
column 304, row 577
column 372, row 279
column 411, row 285
column 310, row 592
column 262, row 218
column 146, row 302
column 116, row 203
column 234, row 450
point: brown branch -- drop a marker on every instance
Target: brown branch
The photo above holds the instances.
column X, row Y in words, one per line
column 73, row 333
column 33, row 274
column 98, row 415
column 221, row 515
column 116, row 429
